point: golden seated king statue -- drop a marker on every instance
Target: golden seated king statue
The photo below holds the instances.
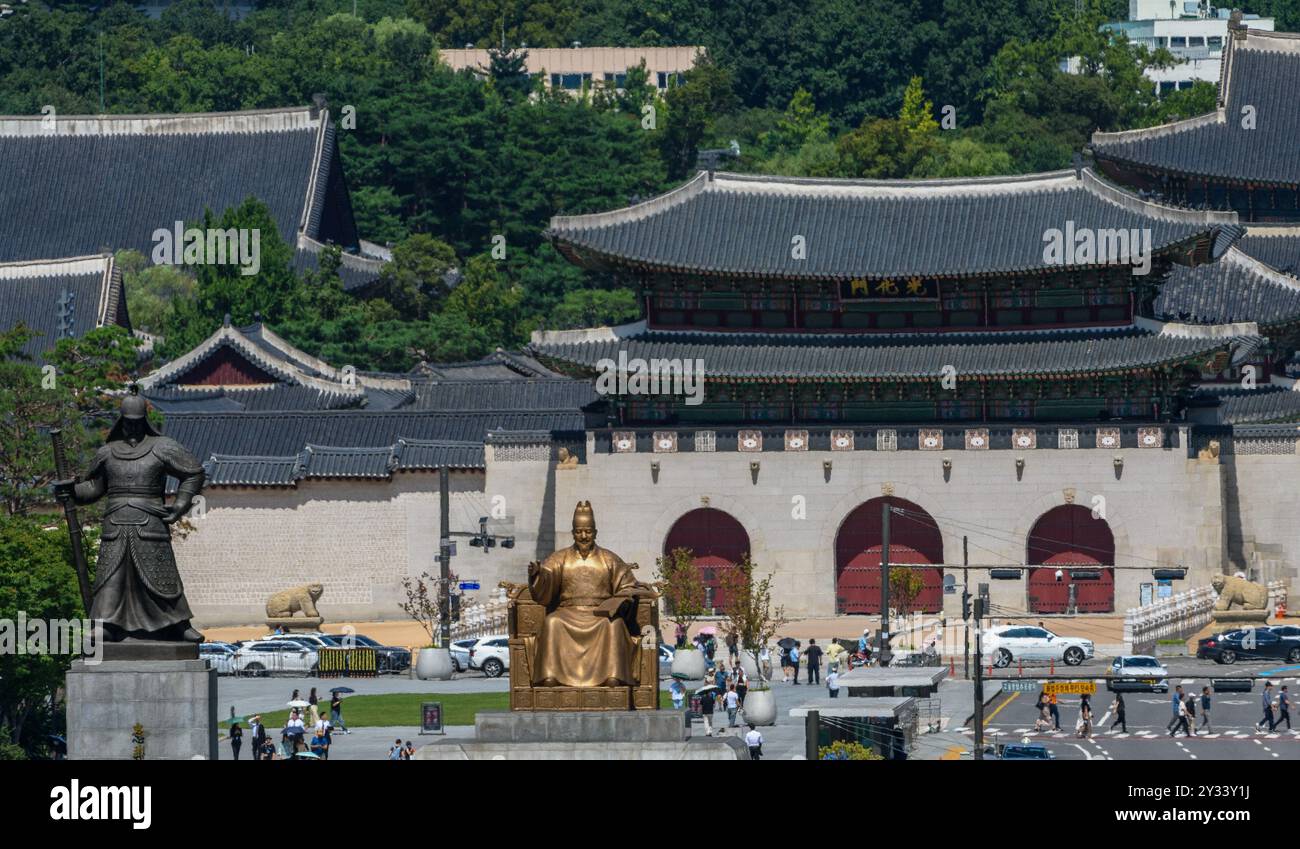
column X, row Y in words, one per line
column 583, row 631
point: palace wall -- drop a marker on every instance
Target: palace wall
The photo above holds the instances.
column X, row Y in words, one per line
column 1163, row 509
column 1262, row 529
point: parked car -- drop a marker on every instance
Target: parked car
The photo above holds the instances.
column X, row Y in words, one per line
column 264, row 657
column 460, row 654
column 1010, row 643
column 491, row 654
column 1251, row 643
column 1019, row 752
column 220, row 656
column 1138, row 672
column 387, row 658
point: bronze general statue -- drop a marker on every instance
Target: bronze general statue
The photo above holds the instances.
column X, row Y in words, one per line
column 138, row 592
column 584, row 631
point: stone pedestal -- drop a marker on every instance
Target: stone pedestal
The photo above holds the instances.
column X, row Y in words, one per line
column 1229, row 619
column 175, row 701
column 583, row 735
column 295, row 623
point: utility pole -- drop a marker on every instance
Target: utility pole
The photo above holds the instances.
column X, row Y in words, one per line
column 979, row 682
column 444, row 558
column 965, row 612
column 884, row 583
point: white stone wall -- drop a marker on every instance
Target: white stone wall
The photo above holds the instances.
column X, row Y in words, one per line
column 358, row 538
column 1164, row 508
column 1263, row 532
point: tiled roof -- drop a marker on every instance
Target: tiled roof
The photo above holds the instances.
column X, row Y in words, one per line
column 902, row 356
column 356, row 271
column 283, row 433
column 1239, row 287
column 516, row 394
column 1265, row 404
column 323, row 462
column 33, row 293
column 498, row 365
column 89, row 184
column 737, row 225
column 1278, row 247
column 1261, row 71
column 174, row 399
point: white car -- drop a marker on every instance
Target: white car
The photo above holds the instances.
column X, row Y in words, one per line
column 220, row 656
column 460, row 653
column 263, row 657
column 1010, row 643
column 1142, row 670
column 491, row 654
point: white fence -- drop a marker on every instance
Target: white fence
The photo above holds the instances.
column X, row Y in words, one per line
column 482, row 619
column 1181, row 615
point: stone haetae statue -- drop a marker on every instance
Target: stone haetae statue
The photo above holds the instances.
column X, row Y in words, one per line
column 589, row 637
column 138, row 592
column 1251, row 599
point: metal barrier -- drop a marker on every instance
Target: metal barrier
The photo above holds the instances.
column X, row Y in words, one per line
column 348, row 663
column 1178, row 616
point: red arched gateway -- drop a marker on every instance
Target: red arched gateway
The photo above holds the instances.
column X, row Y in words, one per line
column 913, row 538
column 1064, row 537
column 717, row 541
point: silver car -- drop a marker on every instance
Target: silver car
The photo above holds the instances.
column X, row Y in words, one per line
column 220, row 656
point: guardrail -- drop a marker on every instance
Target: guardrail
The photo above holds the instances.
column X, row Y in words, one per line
column 481, row 620
column 1178, row 616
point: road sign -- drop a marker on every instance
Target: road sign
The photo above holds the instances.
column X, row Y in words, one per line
column 469, row 585
column 1070, row 688
column 1019, row 686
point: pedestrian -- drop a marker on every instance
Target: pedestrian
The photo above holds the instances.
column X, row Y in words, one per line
column 295, row 728
column 833, row 681
column 1174, row 702
column 1283, row 708
column 1085, row 716
column 710, row 648
column 1182, row 720
column 294, row 697
column 395, row 753
column 1267, row 701
column 1044, row 720
column 1205, row 709
column 794, row 662
column 1054, row 711
column 754, row 740
column 785, row 666
column 313, row 707
column 279, row 632
column 742, row 682
column 732, row 703
column 259, row 736
column 268, row 749
column 336, row 713
column 720, row 678
column 680, row 636
column 706, row 709
column 765, row 663
column 1117, row 707
column 1191, row 713
column 320, row 747
column 678, row 693
column 732, row 650
column 410, row 752
column 814, row 656
column 236, row 738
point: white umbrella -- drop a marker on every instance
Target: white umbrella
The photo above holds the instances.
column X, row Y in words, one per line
column 706, row 688
column 299, row 703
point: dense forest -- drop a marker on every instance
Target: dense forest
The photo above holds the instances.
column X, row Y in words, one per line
column 441, row 165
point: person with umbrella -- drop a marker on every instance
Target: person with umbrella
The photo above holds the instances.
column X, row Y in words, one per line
column 295, row 727
column 336, row 708
column 707, row 694
column 677, row 691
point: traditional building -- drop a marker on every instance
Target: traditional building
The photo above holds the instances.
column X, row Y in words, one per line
column 61, row 299
column 76, row 186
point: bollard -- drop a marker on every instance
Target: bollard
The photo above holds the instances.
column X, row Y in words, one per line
column 1022, row 666
column 1052, row 670
column 952, row 666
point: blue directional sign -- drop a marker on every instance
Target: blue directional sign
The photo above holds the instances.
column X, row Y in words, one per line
column 469, row 585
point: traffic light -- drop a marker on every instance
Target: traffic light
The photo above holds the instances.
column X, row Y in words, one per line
column 965, row 605
column 455, row 607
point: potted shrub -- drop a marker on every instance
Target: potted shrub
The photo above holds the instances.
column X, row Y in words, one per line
column 754, row 622
column 682, row 588
column 423, row 604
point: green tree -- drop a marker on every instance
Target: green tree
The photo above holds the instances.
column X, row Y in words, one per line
column 415, row 282
column 595, row 308
column 687, row 110
column 151, row 289
column 681, row 585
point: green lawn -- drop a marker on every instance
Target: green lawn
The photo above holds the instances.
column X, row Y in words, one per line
column 404, row 708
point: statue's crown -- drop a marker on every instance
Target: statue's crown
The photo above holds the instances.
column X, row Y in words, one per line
column 583, row 516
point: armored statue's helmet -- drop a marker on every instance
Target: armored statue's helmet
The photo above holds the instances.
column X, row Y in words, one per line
column 134, row 408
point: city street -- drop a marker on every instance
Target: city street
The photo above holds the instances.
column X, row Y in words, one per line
column 1010, row 719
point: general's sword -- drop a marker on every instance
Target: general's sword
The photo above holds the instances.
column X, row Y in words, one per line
column 63, row 473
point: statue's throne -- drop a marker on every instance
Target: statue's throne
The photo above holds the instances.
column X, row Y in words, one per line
column 525, row 624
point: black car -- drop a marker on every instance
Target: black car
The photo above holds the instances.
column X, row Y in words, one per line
column 387, row 658
column 1249, row 643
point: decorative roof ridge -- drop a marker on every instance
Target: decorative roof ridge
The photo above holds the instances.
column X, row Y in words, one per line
column 634, row 212
column 362, row 411
column 1062, row 176
column 285, row 119
column 226, row 335
column 437, row 443
column 1198, row 331
column 348, row 449
column 1283, row 42
column 1151, row 209
column 354, row 261
column 77, row 265
column 1218, row 116
column 1272, row 231
column 588, row 334
column 1237, row 256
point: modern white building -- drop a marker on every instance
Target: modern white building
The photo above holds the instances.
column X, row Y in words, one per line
column 578, row 68
column 1193, row 30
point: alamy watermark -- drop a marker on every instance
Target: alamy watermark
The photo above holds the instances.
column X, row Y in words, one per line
column 1107, row 246
column 240, row 246
column 656, row 376
column 36, row 636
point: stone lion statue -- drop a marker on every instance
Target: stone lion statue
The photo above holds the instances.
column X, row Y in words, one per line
column 286, row 603
column 1234, row 589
